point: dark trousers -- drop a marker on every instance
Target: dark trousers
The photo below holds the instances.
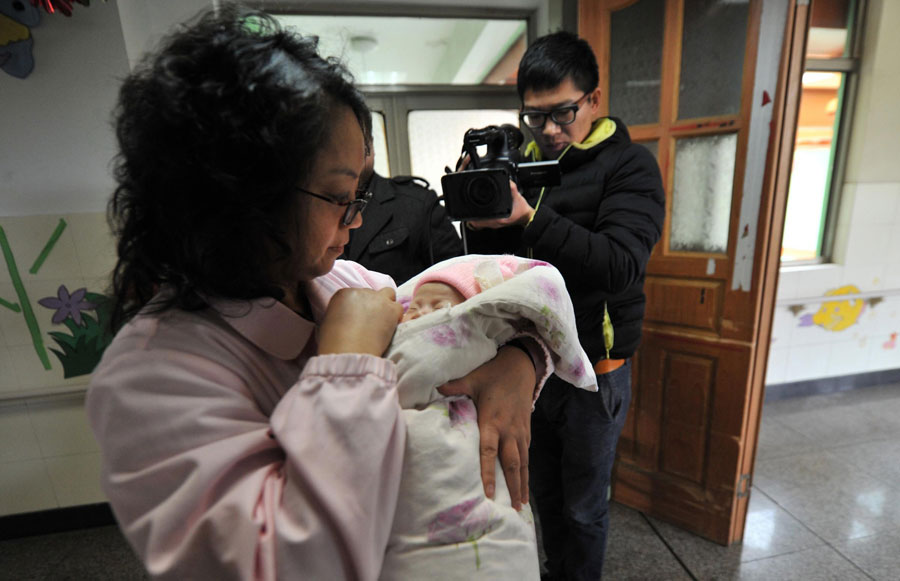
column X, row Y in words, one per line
column 573, row 446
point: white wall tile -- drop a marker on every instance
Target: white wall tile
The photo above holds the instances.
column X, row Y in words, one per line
column 787, row 284
column 28, row 236
column 17, row 438
column 865, row 278
column 31, row 373
column 875, row 203
column 783, row 324
column 807, row 362
column 9, row 380
column 814, row 281
column 25, row 487
column 868, row 245
column 61, row 426
column 94, row 244
column 848, row 357
column 76, row 479
column 776, row 365
column 882, row 355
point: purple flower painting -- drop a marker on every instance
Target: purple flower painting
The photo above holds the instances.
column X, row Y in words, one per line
column 67, row 305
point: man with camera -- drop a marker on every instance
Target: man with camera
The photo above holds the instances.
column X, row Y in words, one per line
column 598, row 227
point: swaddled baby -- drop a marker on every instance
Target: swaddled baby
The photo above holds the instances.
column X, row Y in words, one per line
column 458, row 313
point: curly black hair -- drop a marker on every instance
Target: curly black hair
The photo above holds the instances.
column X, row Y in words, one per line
column 215, row 130
column 552, row 58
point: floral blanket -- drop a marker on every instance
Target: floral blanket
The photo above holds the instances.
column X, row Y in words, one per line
column 445, row 527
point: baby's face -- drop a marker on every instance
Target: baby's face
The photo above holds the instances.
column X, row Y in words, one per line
column 430, row 297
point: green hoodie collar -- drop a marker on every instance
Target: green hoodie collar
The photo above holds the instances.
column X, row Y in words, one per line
column 603, row 129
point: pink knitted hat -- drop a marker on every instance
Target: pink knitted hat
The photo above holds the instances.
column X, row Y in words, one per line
column 462, row 275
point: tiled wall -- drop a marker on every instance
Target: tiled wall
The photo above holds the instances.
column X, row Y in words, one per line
column 806, row 346
column 48, row 457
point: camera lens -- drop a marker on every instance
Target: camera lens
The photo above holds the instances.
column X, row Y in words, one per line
column 482, row 192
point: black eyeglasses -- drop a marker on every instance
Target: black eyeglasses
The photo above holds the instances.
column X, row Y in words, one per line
column 561, row 115
column 353, row 207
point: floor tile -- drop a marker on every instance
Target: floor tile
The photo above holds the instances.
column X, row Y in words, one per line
column 819, row 564
column 880, row 459
column 770, row 531
column 635, row 552
column 878, row 555
column 777, row 440
column 837, row 425
column 834, row 499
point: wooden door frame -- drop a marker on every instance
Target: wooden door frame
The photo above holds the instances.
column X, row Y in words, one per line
column 594, row 27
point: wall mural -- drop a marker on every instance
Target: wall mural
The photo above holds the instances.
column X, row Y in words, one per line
column 80, row 348
column 17, row 17
column 836, row 315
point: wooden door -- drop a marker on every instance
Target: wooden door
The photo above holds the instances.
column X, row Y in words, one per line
column 696, row 81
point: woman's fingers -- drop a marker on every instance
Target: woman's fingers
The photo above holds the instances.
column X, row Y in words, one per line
column 359, row 321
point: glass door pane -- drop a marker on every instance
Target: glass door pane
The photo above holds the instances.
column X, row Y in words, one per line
column 436, row 137
column 712, row 58
column 701, row 202
column 635, row 68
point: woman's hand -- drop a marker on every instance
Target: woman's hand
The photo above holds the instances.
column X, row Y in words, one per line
column 502, row 390
column 359, row 320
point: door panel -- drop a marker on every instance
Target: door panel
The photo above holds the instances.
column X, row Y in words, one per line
column 683, row 454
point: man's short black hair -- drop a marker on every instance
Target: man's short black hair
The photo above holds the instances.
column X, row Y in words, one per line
column 552, row 58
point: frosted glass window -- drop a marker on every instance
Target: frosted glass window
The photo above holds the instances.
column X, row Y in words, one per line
column 636, row 42
column 701, row 201
column 379, row 144
column 394, row 50
column 436, row 137
column 712, row 58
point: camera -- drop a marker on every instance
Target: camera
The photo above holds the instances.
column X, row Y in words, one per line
column 481, row 191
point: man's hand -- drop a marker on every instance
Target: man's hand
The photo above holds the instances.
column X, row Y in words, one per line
column 520, row 216
column 502, row 390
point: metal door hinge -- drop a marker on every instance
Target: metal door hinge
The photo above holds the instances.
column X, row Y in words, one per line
column 743, row 486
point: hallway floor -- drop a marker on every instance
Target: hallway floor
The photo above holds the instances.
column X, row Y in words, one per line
column 825, row 505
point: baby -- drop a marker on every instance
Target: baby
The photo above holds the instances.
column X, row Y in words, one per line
column 458, row 313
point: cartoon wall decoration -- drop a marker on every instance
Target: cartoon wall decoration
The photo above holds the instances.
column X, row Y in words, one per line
column 88, row 336
column 79, row 349
column 836, row 315
column 17, row 17
column 892, row 343
column 64, row 6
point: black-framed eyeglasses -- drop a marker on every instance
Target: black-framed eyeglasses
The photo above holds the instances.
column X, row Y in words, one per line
column 565, row 115
column 353, row 207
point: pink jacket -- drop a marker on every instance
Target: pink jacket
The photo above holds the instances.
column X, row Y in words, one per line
column 231, row 452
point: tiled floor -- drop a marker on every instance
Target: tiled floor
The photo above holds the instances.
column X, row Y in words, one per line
column 825, row 506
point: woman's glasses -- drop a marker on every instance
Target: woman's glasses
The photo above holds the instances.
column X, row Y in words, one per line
column 561, row 115
column 353, row 207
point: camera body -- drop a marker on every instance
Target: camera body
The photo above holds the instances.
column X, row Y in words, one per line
column 481, row 191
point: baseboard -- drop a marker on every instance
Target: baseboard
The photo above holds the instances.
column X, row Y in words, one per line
column 825, row 385
column 57, row 520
